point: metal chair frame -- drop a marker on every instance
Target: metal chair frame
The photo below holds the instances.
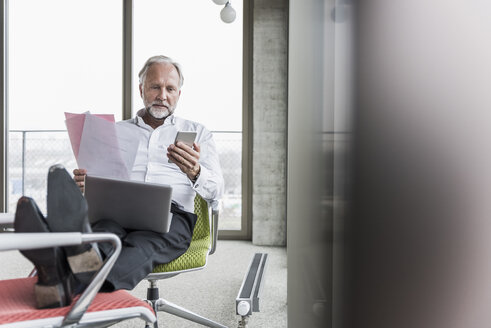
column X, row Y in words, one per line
column 77, row 316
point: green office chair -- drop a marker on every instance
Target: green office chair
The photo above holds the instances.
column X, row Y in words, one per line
column 203, row 243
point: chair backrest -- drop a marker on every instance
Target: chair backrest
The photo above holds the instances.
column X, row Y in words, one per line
column 202, row 227
column 201, row 243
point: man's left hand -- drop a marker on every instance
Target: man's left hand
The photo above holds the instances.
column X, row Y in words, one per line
column 186, row 158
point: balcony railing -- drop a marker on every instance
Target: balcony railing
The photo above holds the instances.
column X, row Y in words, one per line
column 32, row 152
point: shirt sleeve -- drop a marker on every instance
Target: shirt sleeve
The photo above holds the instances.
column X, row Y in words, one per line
column 210, row 184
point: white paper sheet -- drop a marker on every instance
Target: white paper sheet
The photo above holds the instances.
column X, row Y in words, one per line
column 128, row 145
column 106, row 149
column 75, row 126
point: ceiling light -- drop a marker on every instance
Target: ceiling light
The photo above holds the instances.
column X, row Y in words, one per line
column 228, row 13
column 220, row 2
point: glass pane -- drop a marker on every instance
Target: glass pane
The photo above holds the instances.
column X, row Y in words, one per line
column 64, row 56
column 229, row 147
column 31, row 153
column 210, row 51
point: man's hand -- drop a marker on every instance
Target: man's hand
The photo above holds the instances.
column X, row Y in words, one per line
column 186, row 158
column 79, row 177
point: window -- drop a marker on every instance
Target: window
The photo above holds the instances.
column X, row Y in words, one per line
column 211, row 54
column 64, row 56
column 69, row 56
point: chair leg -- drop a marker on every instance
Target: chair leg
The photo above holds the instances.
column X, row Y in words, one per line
column 155, row 325
column 152, row 298
column 152, row 303
column 166, row 306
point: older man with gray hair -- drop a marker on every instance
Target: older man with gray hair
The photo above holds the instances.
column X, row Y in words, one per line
column 190, row 170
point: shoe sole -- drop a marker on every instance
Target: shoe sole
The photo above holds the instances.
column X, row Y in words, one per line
column 50, row 296
column 88, row 261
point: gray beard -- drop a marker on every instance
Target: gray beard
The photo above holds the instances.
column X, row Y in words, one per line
column 159, row 115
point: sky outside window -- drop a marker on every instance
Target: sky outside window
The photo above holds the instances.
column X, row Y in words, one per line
column 64, row 55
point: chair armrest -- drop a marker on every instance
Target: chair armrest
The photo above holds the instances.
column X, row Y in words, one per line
column 6, row 221
column 25, row 241
column 79, row 308
column 214, row 229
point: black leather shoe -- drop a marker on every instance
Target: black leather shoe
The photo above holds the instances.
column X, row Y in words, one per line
column 55, row 282
column 67, row 212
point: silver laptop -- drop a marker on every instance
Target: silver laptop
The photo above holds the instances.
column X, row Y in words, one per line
column 134, row 205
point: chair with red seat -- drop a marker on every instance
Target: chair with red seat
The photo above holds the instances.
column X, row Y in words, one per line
column 90, row 309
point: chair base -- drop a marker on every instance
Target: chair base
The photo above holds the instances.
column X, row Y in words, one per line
column 166, row 306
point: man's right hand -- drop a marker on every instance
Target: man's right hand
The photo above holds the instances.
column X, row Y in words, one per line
column 79, row 177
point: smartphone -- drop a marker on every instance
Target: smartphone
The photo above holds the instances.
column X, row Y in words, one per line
column 186, row 137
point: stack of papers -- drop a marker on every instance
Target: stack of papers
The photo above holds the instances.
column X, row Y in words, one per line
column 101, row 146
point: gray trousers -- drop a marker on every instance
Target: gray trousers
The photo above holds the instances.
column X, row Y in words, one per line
column 143, row 250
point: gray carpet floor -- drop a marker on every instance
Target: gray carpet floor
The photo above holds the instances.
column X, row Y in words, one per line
column 210, row 292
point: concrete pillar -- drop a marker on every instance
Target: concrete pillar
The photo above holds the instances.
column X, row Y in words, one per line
column 270, row 92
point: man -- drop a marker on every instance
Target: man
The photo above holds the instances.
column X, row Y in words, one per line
column 189, row 170
column 193, row 169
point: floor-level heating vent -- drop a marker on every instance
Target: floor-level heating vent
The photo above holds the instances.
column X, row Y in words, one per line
column 249, row 294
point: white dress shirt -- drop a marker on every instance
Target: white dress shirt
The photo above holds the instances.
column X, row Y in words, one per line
column 152, row 165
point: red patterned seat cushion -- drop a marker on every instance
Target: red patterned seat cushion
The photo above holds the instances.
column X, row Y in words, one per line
column 17, row 302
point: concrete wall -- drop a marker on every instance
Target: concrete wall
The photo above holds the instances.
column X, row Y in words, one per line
column 270, row 91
